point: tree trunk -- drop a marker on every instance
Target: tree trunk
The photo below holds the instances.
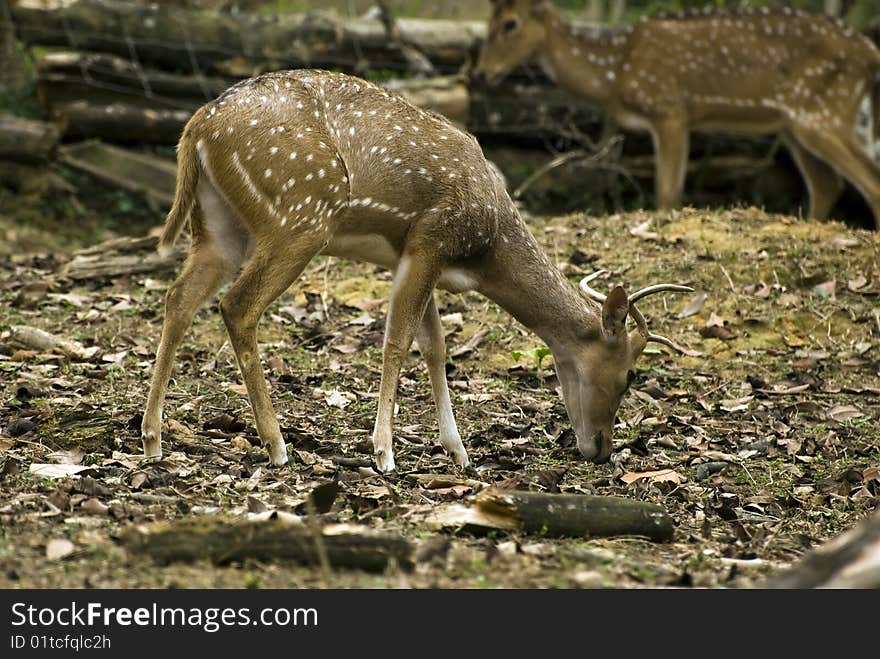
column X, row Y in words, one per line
column 13, row 69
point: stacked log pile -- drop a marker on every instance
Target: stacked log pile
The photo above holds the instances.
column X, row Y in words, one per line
column 133, row 73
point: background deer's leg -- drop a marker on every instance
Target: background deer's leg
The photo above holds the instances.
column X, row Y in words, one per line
column 671, row 143
column 413, row 285
column 432, row 345
column 823, row 183
column 848, row 159
column 266, row 275
column 203, row 273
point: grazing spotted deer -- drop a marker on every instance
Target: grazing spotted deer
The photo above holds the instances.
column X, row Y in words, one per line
column 291, row 164
column 749, row 71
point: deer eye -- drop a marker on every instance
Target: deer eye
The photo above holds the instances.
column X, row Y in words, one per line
column 510, row 25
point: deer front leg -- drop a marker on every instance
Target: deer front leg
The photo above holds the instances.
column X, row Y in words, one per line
column 414, row 281
column 432, row 345
column 671, row 143
column 202, row 275
column 265, row 276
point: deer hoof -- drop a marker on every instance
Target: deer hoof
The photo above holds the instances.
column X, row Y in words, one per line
column 384, row 461
column 278, row 455
column 460, row 458
column 152, row 443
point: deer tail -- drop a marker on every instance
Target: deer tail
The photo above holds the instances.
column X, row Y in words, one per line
column 184, row 193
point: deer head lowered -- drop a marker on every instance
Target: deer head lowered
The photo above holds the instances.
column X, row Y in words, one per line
column 291, row 164
column 757, row 71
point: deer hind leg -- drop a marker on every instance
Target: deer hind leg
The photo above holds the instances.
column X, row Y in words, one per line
column 205, row 270
column 432, row 345
column 824, row 185
column 671, row 143
column 267, row 274
column 413, row 284
column 844, row 154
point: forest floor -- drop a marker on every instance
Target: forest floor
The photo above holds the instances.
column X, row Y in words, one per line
column 763, row 446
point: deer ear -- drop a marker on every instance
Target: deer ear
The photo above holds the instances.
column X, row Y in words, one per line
column 614, row 312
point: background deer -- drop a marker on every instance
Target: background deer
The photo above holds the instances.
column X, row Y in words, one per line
column 290, row 164
column 750, row 71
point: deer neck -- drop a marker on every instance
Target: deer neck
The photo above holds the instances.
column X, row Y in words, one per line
column 580, row 61
column 519, row 277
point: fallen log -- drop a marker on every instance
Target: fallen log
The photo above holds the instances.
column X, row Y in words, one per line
column 173, row 37
column 121, row 122
column 224, row 540
column 136, row 172
column 124, row 124
column 63, row 77
column 851, row 560
column 25, row 140
column 122, row 257
column 554, row 515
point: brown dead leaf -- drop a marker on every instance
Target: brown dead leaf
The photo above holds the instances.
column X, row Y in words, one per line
column 254, row 505
column 794, row 341
column 715, row 329
column 694, row 305
column 659, row 476
column 276, row 364
column 224, row 423
column 856, row 283
column 58, row 548
column 95, row 507
column 57, row 470
column 73, row 456
column 137, row 480
column 842, row 413
column 346, row 348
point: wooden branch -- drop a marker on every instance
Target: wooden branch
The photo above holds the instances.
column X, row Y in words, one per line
column 223, row 540
column 25, row 140
column 37, row 339
column 555, row 515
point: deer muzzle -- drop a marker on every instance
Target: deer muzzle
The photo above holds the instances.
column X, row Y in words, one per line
column 597, row 448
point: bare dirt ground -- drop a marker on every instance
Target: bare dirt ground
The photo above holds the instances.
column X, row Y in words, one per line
column 760, row 448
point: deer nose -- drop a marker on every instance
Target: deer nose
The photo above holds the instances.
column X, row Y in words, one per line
column 478, row 76
column 605, row 446
column 598, row 449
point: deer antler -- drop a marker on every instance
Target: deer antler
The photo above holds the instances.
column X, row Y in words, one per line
column 634, row 313
column 592, row 292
